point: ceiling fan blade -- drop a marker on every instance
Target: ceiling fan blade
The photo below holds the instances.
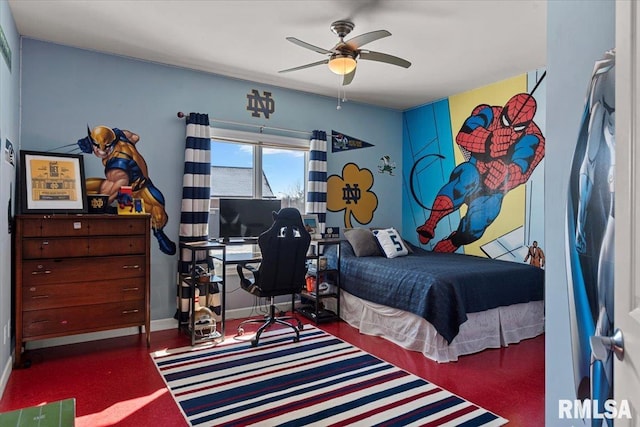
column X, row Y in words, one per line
column 383, row 57
column 309, row 46
column 365, row 38
column 313, row 64
column 348, row 78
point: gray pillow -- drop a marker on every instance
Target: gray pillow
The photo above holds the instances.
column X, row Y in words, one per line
column 363, row 242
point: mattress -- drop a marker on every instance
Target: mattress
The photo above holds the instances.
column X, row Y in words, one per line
column 442, row 288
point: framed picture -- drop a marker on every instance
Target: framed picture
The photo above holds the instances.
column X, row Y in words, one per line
column 310, row 222
column 52, row 183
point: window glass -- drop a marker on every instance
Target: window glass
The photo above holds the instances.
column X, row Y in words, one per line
column 284, row 172
column 231, row 169
column 246, row 170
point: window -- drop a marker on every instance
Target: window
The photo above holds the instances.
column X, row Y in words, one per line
column 273, row 167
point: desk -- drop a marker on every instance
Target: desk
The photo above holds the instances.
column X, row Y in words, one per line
column 224, row 252
column 244, row 257
column 213, row 251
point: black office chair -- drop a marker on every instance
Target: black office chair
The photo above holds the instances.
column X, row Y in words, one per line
column 282, row 269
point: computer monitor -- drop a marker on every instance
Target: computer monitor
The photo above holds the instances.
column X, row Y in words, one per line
column 246, row 218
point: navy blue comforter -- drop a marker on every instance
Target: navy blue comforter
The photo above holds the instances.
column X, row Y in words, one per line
column 440, row 287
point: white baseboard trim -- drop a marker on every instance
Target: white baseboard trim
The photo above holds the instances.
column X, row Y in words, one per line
column 156, row 325
column 5, row 375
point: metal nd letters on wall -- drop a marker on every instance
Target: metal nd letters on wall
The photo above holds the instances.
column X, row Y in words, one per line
column 258, row 104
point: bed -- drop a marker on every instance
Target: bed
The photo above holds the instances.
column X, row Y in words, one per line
column 443, row 305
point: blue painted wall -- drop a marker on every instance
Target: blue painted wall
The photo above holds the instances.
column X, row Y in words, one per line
column 9, row 130
column 65, row 89
column 578, row 34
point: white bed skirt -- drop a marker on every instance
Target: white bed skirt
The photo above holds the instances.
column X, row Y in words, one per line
column 493, row 328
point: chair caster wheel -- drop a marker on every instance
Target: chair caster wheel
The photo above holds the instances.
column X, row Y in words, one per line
column 300, row 326
column 254, row 343
column 240, row 331
column 296, row 339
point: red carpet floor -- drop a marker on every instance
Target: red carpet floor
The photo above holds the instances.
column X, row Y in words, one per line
column 115, row 382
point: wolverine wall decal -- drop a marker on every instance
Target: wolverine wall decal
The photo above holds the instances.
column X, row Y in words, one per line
column 352, row 193
column 124, row 166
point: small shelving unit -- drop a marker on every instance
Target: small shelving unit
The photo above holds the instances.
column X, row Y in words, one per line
column 204, row 257
column 324, row 283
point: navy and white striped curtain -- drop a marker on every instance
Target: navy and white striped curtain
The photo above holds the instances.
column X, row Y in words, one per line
column 196, row 187
column 317, row 182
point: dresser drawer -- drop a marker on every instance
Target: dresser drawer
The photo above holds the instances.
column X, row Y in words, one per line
column 122, row 227
column 79, row 226
column 82, row 247
column 39, row 297
column 61, row 321
column 52, row 271
column 55, row 227
column 105, row 246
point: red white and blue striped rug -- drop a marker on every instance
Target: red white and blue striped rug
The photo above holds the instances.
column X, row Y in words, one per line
column 321, row 381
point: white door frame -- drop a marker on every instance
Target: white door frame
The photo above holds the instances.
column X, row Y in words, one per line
column 627, row 211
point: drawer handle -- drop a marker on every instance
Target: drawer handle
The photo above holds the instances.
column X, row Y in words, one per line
column 135, row 266
column 130, row 289
column 130, row 311
column 41, row 272
column 39, row 296
column 40, row 321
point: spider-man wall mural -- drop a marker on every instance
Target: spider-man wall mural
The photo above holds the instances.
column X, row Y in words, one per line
column 502, row 145
column 498, row 146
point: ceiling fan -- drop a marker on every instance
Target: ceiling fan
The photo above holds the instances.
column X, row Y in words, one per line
column 343, row 57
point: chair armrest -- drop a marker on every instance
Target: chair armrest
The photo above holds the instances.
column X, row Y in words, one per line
column 247, row 283
column 243, row 266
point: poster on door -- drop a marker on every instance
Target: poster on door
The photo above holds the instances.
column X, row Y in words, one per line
column 590, row 238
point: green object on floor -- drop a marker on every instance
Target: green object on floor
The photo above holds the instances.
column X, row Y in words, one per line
column 55, row 414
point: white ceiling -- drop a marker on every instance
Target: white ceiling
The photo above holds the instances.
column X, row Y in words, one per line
column 453, row 45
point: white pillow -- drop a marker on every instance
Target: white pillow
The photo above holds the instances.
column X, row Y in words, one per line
column 391, row 243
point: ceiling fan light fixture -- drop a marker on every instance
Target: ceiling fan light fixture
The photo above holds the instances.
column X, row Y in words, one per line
column 342, row 64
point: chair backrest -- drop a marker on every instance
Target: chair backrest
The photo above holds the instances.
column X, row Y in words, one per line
column 284, row 249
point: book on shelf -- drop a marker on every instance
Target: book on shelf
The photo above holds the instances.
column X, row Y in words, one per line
column 331, row 233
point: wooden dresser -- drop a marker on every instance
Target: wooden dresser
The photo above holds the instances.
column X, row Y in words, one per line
column 80, row 273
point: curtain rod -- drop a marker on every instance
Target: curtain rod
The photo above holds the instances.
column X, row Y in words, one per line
column 182, row 115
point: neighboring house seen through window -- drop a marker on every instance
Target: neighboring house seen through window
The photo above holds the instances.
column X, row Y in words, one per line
column 272, row 168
